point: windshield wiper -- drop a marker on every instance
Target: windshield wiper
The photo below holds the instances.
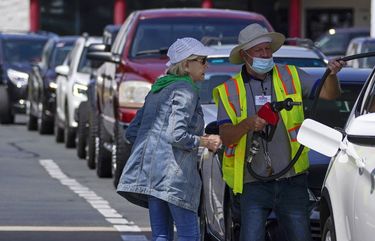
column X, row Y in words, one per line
column 161, row 51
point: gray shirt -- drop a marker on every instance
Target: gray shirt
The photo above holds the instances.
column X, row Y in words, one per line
column 278, row 148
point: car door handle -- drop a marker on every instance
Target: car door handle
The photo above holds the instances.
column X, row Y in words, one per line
column 372, row 176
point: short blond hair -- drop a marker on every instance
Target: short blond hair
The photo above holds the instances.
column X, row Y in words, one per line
column 178, row 68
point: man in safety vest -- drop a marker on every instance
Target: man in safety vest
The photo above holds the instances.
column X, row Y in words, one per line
column 238, row 99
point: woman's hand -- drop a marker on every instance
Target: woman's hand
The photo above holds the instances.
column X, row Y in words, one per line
column 211, row 142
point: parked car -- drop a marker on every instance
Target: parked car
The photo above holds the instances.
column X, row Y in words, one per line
column 17, row 52
column 219, row 209
column 87, row 111
column 41, row 97
column 358, row 46
column 72, row 81
column 334, row 42
column 347, row 210
column 138, row 57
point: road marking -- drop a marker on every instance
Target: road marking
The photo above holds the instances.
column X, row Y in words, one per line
column 102, row 206
column 55, row 229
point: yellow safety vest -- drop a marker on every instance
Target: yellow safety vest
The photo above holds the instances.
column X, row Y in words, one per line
column 234, row 155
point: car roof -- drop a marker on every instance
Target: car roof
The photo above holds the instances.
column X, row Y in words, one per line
column 351, row 30
column 347, row 75
column 173, row 12
column 286, row 51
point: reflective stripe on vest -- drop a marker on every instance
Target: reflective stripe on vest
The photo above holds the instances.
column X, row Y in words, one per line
column 236, row 108
column 233, row 165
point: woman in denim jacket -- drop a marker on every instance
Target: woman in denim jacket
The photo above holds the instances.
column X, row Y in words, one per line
column 166, row 134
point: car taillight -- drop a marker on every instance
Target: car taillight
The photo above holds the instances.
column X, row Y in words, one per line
column 126, row 115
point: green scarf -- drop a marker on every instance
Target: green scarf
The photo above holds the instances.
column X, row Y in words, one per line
column 166, row 80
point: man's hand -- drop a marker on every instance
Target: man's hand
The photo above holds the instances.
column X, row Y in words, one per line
column 335, row 65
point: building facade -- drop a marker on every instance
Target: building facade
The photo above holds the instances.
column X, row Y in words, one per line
column 296, row 18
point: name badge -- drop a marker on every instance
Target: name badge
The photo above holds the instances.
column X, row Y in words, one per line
column 262, row 99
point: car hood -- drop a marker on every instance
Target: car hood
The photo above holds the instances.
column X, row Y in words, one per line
column 149, row 69
column 23, row 67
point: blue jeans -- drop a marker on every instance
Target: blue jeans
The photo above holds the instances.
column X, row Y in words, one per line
column 288, row 198
column 162, row 215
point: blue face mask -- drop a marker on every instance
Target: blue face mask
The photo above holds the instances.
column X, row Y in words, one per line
column 262, row 66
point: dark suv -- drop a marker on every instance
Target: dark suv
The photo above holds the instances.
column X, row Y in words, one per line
column 42, row 84
column 17, row 52
column 138, row 57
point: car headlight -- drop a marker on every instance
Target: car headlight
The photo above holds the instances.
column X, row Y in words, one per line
column 133, row 93
column 18, row 78
column 52, row 85
column 79, row 89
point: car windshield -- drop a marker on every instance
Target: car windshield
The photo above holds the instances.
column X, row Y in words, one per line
column 21, row 50
column 301, row 62
column 60, row 54
column 154, row 36
column 332, row 44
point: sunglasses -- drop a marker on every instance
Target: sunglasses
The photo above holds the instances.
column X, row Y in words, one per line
column 203, row 61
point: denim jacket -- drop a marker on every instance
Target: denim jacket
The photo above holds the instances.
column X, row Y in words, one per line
column 165, row 136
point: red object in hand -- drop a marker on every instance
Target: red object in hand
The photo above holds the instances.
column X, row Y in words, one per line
column 265, row 112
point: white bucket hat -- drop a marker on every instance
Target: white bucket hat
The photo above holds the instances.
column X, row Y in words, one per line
column 184, row 47
column 252, row 35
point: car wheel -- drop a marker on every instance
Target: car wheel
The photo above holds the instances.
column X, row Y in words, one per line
column 82, row 131
column 91, row 140
column 6, row 116
column 69, row 134
column 232, row 227
column 44, row 126
column 59, row 132
column 329, row 233
column 120, row 154
column 103, row 157
column 32, row 121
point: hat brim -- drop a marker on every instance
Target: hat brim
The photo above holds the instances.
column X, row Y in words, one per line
column 200, row 51
column 278, row 40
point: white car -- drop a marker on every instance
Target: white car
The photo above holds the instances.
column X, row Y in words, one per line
column 347, row 205
column 72, row 81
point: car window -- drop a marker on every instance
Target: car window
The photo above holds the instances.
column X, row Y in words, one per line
column 159, row 34
column 301, row 62
column 370, row 101
column 86, row 65
column 21, row 50
column 334, row 113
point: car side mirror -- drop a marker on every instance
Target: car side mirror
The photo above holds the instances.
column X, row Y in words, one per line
column 96, row 47
column 361, row 130
column 62, row 70
column 212, row 128
column 103, row 56
column 319, row 137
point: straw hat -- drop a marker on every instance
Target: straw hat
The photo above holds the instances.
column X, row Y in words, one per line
column 184, row 47
column 252, row 35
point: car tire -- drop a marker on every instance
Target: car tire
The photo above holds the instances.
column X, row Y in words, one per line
column 59, row 132
column 104, row 162
column 92, row 141
column 82, row 131
column 329, row 233
column 232, row 228
column 44, row 126
column 120, row 154
column 69, row 133
column 6, row 116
